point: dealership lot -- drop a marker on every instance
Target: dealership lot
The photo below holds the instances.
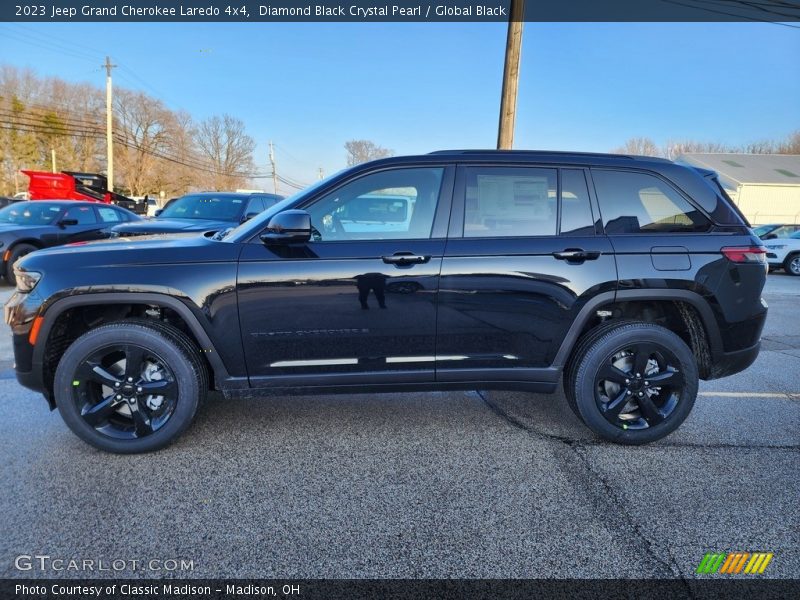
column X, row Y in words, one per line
column 462, row 484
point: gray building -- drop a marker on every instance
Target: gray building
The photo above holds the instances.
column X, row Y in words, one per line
column 765, row 187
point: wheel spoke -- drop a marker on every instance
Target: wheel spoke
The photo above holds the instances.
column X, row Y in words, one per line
column 650, row 413
column 134, row 360
column 98, row 413
column 141, row 421
column 615, row 406
column 90, row 371
column 611, row 373
column 669, row 377
column 162, row 387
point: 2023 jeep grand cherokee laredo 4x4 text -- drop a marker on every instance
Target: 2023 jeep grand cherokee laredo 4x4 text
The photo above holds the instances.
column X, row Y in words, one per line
column 628, row 278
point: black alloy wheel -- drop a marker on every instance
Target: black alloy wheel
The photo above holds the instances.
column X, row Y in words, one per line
column 631, row 382
column 125, row 391
column 639, row 387
column 130, row 386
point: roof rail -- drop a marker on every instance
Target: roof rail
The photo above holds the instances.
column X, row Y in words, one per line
column 548, row 153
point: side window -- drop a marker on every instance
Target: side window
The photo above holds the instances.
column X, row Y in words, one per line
column 641, row 203
column 109, row 215
column 83, row 214
column 395, row 204
column 576, row 209
column 509, row 202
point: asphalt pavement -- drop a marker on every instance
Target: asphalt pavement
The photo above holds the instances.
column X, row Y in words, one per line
column 450, row 485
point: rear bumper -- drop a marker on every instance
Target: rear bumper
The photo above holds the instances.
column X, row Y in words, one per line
column 729, row 363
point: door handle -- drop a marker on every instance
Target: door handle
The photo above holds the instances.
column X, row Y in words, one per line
column 576, row 255
column 405, row 259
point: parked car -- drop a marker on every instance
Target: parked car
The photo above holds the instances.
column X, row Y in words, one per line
column 774, row 231
column 627, row 278
column 5, row 201
column 202, row 212
column 31, row 225
column 785, row 254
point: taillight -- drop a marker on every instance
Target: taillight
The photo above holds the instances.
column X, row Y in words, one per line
column 746, row 254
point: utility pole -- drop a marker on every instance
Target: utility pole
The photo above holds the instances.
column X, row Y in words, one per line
column 508, row 98
column 321, row 173
column 109, row 138
column 274, row 172
column 53, row 157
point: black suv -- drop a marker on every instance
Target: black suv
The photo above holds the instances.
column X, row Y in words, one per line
column 627, row 278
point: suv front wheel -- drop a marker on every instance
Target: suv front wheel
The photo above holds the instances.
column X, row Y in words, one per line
column 132, row 386
column 632, row 382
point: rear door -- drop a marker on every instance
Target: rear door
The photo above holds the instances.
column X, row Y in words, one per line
column 523, row 257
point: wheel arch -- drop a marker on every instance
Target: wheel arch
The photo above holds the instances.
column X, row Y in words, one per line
column 44, row 348
column 702, row 330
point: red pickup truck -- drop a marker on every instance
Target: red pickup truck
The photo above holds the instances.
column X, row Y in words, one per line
column 69, row 185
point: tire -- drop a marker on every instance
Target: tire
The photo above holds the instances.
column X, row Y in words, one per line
column 121, row 417
column 17, row 252
column 604, row 391
column 792, row 264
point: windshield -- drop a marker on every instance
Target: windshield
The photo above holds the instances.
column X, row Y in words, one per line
column 763, row 229
column 258, row 223
column 222, row 207
column 30, row 213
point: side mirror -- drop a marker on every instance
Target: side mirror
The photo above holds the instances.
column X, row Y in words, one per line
column 249, row 216
column 290, row 226
column 67, row 222
column 158, row 212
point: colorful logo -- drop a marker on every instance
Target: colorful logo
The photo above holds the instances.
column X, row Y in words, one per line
column 734, row 563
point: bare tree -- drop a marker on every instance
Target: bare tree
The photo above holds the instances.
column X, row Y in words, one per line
column 361, row 151
column 142, row 137
column 791, row 145
column 225, row 144
column 640, row 146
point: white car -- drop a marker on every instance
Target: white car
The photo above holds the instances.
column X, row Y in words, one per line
column 784, row 254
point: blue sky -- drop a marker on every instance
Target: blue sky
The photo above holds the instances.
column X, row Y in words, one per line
column 420, row 87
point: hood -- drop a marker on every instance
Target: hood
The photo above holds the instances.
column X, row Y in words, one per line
column 122, row 252
column 170, row 226
column 4, row 227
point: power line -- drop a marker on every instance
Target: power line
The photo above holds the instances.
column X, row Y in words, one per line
column 729, row 14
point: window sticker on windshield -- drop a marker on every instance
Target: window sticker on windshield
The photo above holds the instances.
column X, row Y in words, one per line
column 237, row 201
column 55, row 208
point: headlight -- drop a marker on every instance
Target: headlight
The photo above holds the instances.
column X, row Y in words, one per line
column 26, row 280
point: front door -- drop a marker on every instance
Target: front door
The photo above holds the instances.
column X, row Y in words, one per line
column 356, row 304
column 524, row 256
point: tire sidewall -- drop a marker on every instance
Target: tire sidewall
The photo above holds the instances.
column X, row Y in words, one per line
column 185, row 377
column 609, row 345
column 788, row 264
column 16, row 252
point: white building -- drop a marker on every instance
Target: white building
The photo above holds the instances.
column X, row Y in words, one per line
column 765, row 187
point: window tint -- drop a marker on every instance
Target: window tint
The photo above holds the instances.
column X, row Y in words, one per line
column 576, row 210
column 640, row 203
column 510, row 202
column 109, row 215
column 83, row 214
column 396, row 204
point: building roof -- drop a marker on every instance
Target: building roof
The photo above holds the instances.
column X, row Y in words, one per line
column 783, row 169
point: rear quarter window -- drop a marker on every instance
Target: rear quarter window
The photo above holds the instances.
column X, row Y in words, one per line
column 632, row 202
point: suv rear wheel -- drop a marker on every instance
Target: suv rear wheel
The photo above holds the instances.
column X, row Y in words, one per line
column 632, row 382
column 129, row 387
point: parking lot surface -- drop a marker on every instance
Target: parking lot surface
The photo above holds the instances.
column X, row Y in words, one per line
column 462, row 484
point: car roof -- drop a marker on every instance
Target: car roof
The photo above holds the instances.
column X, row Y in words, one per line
column 532, row 156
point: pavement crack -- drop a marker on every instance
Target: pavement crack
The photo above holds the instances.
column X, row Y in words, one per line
column 609, row 495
